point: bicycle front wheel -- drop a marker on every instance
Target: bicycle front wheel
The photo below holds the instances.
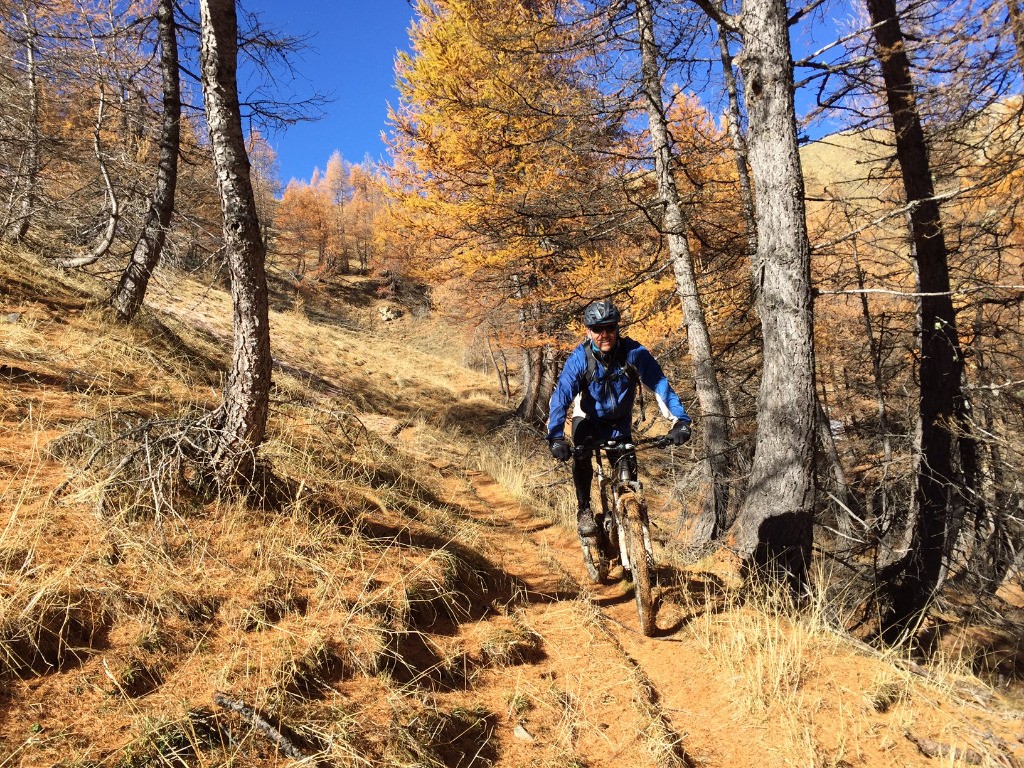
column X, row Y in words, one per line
column 640, row 563
column 594, row 559
column 609, row 532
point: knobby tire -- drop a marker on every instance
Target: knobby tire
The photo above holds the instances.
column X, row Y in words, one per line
column 594, row 559
column 610, row 532
column 641, row 567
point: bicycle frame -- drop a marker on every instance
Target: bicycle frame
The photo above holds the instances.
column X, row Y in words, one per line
column 625, row 530
column 619, row 481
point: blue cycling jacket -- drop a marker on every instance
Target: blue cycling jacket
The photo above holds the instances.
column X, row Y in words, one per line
column 608, row 399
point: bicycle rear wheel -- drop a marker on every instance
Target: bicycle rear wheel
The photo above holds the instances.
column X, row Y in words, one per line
column 640, row 564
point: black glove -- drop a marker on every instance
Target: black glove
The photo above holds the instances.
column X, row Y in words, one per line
column 560, row 449
column 679, row 434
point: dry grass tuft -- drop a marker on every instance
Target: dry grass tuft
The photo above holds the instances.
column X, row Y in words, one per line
column 197, row 735
column 511, row 644
column 767, row 643
column 49, row 628
column 434, row 736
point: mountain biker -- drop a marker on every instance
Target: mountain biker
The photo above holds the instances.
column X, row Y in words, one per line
column 600, row 379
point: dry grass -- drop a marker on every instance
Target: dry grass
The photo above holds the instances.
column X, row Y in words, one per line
column 357, row 610
column 381, row 609
column 829, row 699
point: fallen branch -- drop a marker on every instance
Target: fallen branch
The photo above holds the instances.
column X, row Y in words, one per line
column 260, row 723
column 931, row 748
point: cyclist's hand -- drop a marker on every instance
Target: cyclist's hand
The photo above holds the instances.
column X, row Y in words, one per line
column 560, row 449
column 679, row 434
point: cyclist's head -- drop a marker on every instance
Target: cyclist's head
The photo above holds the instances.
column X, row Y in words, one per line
column 602, row 321
column 601, row 313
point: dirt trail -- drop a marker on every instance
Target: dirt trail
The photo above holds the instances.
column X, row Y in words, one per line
column 608, row 677
column 629, row 701
column 634, row 700
column 657, row 661
column 683, row 692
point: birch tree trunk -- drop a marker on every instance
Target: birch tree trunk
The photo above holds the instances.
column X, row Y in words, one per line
column 127, row 297
column 243, row 416
column 774, row 525
column 17, row 228
column 714, row 422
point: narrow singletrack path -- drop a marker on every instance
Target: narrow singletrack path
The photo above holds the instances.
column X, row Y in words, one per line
column 611, row 712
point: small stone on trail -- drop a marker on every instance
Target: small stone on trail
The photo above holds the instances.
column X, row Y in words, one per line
column 12, row 317
column 389, row 313
column 522, row 733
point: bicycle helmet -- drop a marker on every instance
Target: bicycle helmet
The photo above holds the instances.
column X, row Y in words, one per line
column 601, row 313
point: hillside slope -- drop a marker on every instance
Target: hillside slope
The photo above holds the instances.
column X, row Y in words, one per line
column 410, row 594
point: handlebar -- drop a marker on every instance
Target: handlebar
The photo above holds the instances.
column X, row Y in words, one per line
column 644, row 442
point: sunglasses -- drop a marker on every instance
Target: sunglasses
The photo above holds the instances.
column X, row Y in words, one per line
column 599, row 329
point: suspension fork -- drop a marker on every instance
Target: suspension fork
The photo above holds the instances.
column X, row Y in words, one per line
column 603, row 483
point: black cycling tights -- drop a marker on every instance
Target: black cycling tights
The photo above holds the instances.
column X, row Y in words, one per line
column 583, row 465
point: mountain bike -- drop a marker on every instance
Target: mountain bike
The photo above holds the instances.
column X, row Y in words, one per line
column 623, row 530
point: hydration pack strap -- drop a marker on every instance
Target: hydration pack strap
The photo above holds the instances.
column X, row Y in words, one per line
column 619, row 361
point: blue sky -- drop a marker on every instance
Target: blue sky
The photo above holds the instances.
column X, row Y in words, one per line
column 351, row 53
column 351, row 56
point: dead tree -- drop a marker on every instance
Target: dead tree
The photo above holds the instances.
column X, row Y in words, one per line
column 127, row 297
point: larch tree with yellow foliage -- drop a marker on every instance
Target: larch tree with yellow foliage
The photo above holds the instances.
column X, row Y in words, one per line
column 307, row 222
column 504, row 158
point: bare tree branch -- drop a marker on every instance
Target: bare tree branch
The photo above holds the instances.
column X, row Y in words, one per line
column 717, row 12
column 809, row 8
column 260, row 723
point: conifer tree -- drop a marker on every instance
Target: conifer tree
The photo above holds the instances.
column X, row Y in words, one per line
column 774, row 525
column 497, row 139
column 242, row 420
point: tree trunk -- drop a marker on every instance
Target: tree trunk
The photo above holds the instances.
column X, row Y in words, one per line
column 993, row 546
column 714, row 424
column 17, row 228
column 529, row 407
column 739, row 145
column 243, row 416
column 1017, row 27
column 845, row 503
column 880, row 517
column 131, row 288
column 103, row 245
column 995, row 551
column 532, row 373
column 911, row 583
column 874, row 349
column 502, row 375
column 774, row 525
